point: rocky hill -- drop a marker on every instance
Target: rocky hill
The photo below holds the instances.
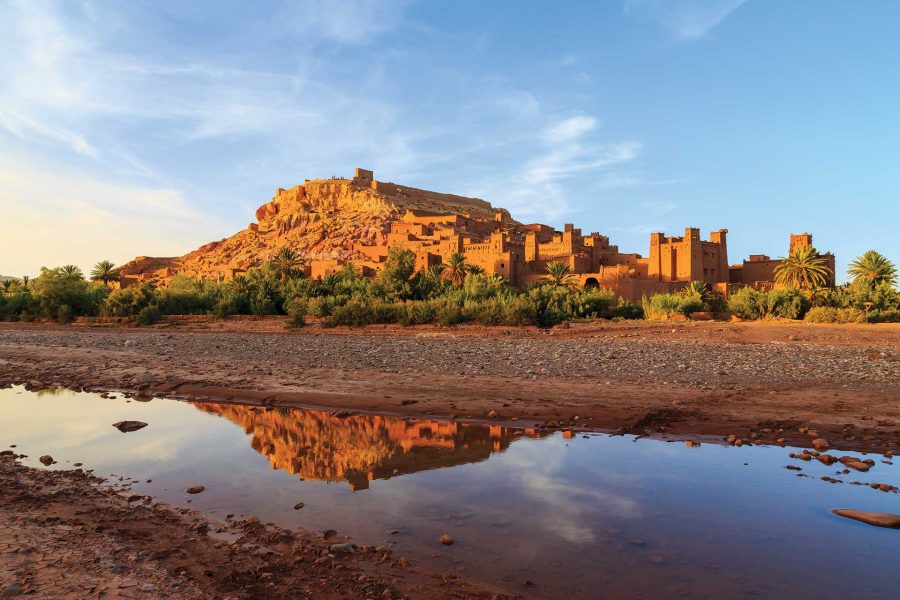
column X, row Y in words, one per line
column 321, row 219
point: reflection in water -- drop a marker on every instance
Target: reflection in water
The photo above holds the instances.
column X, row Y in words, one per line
column 317, row 445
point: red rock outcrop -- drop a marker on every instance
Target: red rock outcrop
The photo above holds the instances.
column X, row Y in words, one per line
column 321, row 219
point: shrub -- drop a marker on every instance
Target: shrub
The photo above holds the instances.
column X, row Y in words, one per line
column 660, row 307
column 296, row 310
column 129, row 301
column 829, row 314
column 356, row 313
column 886, row 316
column 59, row 287
column 18, row 305
column 187, row 296
column 418, row 312
column 64, row 314
column 750, row 303
column 628, row 310
column 148, row 315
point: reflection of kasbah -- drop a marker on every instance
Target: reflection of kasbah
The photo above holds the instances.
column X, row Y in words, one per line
column 333, row 222
column 317, row 445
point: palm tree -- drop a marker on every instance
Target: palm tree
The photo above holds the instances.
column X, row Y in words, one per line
column 697, row 289
column 24, row 281
column 803, row 269
column 72, row 271
column 240, row 284
column 872, row 268
column 104, row 271
column 475, row 270
column 7, row 285
column 560, row 274
column 456, row 269
column 287, row 264
column 434, row 271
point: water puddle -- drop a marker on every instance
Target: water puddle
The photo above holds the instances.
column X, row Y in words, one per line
column 549, row 515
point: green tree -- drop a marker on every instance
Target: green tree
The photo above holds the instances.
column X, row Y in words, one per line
column 8, row 285
column 872, row 269
column 456, row 269
column 434, row 272
column 24, row 281
column 803, row 269
column 104, row 271
column 72, row 271
column 286, row 264
column 559, row 274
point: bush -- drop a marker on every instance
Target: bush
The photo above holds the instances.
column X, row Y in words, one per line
column 886, row 316
column 55, row 288
column 829, row 314
column 660, row 307
column 129, row 301
column 628, row 310
column 296, row 309
column 148, row 315
column 187, row 296
column 750, row 303
column 64, row 314
column 18, row 305
column 356, row 313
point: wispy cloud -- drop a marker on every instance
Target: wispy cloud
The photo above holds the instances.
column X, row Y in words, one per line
column 686, row 19
column 537, row 187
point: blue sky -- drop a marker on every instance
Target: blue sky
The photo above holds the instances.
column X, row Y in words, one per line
column 150, row 128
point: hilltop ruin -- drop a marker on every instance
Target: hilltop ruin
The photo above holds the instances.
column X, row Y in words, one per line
column 333, row 222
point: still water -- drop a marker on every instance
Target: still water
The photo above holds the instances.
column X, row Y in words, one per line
column 574, row 516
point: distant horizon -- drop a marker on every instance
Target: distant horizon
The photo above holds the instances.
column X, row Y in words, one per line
column 151, row 129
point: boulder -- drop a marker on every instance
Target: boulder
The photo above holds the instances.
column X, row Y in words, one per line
column 871, row 518
column 127, row 426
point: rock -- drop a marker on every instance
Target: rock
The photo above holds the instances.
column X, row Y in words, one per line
column 11, row 591
column 492, row 414
column 820, row 444
column 46, row 460
column 128, row 426
column 7, row 453
column 345, row 548
column 298, row 506
column 149, row 588
column 854, row 463
column 826, row 459
column 195, row 489
column 872, row 518
column 145, row 378
column 446, row 540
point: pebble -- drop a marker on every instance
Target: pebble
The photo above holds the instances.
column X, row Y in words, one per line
column 446, row 540
column 46, row 460
column 195, row 489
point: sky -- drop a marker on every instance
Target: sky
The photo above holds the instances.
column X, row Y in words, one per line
column 150, row 128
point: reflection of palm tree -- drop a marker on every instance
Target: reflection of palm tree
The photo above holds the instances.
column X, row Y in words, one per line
column 803, row 269
column 872, row 268
column 104, row 271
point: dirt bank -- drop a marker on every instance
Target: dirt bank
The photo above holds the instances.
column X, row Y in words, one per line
column 66, row 534
column 683, row 380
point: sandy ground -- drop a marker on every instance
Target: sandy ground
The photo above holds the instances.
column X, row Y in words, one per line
column 760, row 381
column 67, row 534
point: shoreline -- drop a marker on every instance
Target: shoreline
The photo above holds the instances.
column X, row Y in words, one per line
column 72, row 534
column 688, row 381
